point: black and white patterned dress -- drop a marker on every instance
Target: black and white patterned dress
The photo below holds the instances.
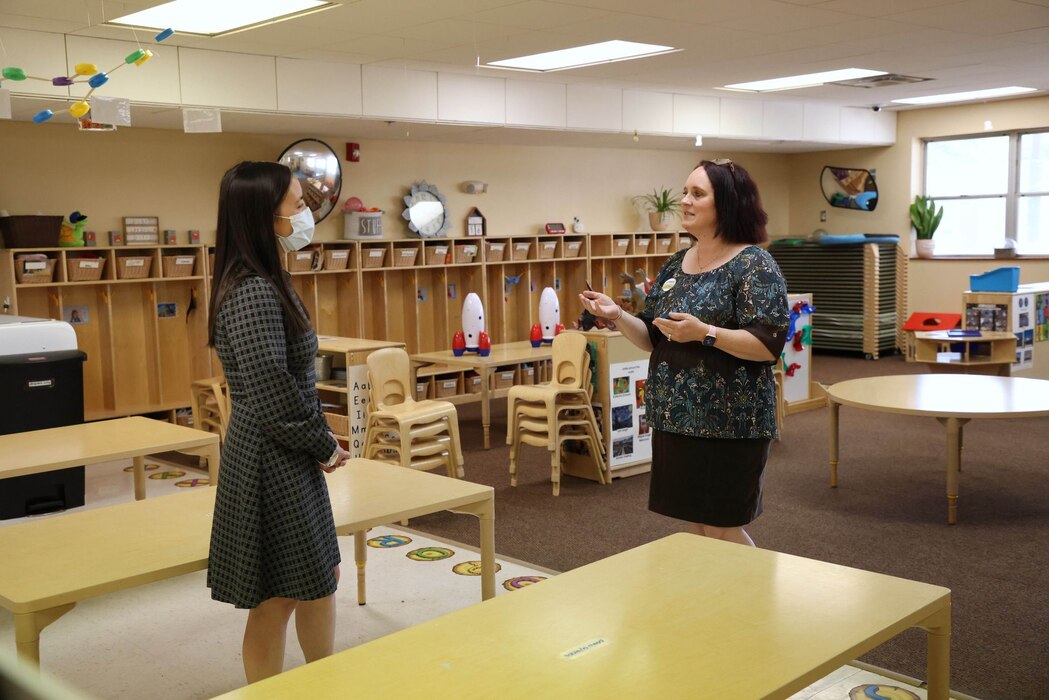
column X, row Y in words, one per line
column 273, row 534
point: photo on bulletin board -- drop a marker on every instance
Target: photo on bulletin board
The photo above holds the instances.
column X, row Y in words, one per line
column 451, row 290
column 1041, row 317
column 622, row 417
column 642, row 424
column 76, row 315
column 620, row 386
column 639, row 393
column 623, row 447
column 167, row 309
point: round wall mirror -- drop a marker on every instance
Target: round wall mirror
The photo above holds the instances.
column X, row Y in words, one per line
column 425, row 211
column 317, row 168
column 849, row 188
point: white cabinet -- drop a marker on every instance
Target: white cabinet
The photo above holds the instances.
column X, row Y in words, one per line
column 742, row 118
column 536, row 104
column 399, row 93
column 648, row 112
column 471, row 98
column 697, row 115
column 155, row 81
column 595, row 107
column 314, row 87
column 222, row 79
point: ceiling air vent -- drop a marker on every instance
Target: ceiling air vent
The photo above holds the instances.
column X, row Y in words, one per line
column 876, row 81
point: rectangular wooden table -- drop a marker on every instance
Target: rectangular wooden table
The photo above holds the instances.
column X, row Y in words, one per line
column 684, row 616
column 50, row 564
column 104, row 441
column 517, row 353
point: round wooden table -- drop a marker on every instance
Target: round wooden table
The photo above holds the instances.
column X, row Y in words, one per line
column 952, row 399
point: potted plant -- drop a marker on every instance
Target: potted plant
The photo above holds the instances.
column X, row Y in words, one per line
column 660, row 204
column 926, row 219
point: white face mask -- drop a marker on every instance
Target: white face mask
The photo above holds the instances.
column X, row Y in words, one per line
column 301, row 231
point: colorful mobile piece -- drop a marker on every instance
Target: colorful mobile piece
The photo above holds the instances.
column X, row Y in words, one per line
column 96, row 79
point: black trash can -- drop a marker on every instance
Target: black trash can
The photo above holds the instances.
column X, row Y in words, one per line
column 41, row 390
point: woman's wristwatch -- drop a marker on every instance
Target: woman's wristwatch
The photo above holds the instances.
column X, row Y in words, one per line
column 333, row 459
column 712, row 336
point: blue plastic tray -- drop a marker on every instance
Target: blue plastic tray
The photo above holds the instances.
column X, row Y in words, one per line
column 1004, row 279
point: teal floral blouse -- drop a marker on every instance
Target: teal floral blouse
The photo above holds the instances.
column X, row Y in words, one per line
column 702, row 391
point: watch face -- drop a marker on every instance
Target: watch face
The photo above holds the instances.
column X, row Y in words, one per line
column 709, row 340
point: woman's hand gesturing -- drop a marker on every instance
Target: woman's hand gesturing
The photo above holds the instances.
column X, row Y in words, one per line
column 600, row 305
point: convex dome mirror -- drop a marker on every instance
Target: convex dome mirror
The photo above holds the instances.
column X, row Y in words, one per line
column 319, row 172
column 849, row 188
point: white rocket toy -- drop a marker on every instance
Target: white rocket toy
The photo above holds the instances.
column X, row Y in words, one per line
column 549, row 319
column 472, row 338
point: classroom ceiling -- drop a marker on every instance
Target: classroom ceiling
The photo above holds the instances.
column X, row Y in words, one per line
column 959, row 44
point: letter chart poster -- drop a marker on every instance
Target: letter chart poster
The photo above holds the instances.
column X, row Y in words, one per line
column 630, row 436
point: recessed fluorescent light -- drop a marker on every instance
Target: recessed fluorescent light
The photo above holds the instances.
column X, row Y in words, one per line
column 589, row 55
column 963, row 96
column 211, row 18
column 791, row 82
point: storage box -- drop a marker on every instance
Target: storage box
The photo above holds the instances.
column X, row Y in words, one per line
column 420, row 391
column 373, row 257
column 641, row 245
column 620, row 246
column 493, row 252
column 84, row 269
column 520, row 250
column 363, row 224
column 473, row 383
column 30, row 231
column 211, row 263
column 436, row 254
column 663, row 245
column 527, row 374
column 34, row 269
column 298, row 261
column 571, row 248
column 684, row 242
column 504, row 379
column 134, row 267
column 336, row 259
column 404, row 257
column 339, row 424
column 547, row 249
column 445, row 387
column 465, row 253
column 1004, row 279
column 178, row 265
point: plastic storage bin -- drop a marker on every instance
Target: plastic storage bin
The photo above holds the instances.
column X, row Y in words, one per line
column 1004, row 279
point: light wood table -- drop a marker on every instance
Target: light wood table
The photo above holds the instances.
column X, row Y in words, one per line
column 952, row 399
column 105, row 441
column 517, row 353
column 50, row 564
column 684, row 616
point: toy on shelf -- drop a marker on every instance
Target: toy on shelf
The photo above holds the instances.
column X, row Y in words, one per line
column 71, row 233
column 88, row 73
column 549, row 315
column 473, row 336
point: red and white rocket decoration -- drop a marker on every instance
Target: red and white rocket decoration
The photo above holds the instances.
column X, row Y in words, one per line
column 472, row 337
column 549, row 315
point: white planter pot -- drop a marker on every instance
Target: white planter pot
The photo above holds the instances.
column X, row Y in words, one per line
column 925, row 247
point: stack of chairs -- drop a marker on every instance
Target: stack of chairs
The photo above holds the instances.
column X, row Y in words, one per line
column 551, row 414
column 209, row 400
column 400, row 430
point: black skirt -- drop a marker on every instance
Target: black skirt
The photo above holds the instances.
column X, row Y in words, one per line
column 711, row 481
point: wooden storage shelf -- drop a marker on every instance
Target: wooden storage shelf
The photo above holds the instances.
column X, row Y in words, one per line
column 992, row 352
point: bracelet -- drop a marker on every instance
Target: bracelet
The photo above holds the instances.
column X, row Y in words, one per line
column 619, row 316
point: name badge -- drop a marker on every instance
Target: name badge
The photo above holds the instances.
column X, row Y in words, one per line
column 669, row 284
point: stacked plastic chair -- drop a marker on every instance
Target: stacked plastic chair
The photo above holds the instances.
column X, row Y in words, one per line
column 211, row 405
column 551, row 414
column 400, row 430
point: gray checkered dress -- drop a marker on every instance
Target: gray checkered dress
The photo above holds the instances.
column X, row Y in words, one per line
column 273, row 534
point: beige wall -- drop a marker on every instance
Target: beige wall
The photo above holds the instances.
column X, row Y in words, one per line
column 54, row 169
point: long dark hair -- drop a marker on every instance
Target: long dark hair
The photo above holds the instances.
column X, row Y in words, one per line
column 737, row 202
column 245, row 241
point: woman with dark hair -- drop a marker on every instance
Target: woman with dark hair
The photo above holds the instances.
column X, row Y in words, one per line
column 715, row 321
column 273, row 544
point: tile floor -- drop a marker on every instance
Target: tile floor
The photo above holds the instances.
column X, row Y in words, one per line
column 141, row 658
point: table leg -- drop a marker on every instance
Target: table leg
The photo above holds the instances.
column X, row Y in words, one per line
column 938, row 664
column 954, row 458
column 28, row 627
column 140, row 477
column 360, row 557
column 833, row 441
column 485, row 512
column 486, row 410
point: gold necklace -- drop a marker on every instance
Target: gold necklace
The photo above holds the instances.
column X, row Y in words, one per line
column 709, row 266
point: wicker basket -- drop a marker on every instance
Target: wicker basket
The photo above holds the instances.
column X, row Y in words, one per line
column 178, row 265
column 547, row 249
column 373, row 257
column 339, row 423
column 641, row 245
column 493, row 252
column 445, row 386
column 301, row 260
column 472, row 384
column 404, row 257
column 620, row 246
column 336, row 259
column 465, row 253
column 436, row 254
column 34, row 269
column 684, row 242
column 30, row 231
column 663, row 245
column 84, row 269
column 134, row 267
column 520, row 250
column 571, row 248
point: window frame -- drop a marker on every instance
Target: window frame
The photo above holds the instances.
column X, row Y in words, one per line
column 1012, row 195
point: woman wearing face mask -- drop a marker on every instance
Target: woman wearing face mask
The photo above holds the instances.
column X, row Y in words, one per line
column 273, row 544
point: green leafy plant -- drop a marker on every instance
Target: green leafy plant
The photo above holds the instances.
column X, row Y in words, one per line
column 925, row 217
column 661, row 201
